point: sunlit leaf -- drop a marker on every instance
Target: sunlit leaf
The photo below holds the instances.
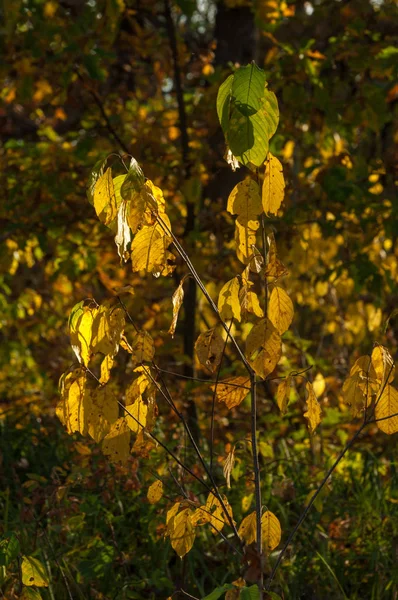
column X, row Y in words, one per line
column 136, row 415
column 263, row 347
column 387, row 409
column 280, row 309
column 116, row 443
column 271, row 531
column 80, row 330
column 228, row 466
column 107, row 329
column 273, row 189
column 314, row 412
column 155, row 492
column 274, row 267
column 209, row 348
column 247, row 529
column 232, row 391
column 75, row 401
column 383, row 364
column 177, row 300
column 183, row 532
column 149, row 251
column 142, row 347
column 33, row 572
column 101, row 412
column 123, row 233
column 283, row 394
column 248, row 114
column 104, row 198
column 228, row 300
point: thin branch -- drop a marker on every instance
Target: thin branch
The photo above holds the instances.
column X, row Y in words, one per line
column 257, row 480
column 213, row 403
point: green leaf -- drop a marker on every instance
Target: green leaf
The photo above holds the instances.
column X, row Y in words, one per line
column 250, row 593
column 9, row 549
column 219, row 591
column 30, row 594
column 248, row 114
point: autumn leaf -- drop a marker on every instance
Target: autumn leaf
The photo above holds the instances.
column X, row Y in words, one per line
column 102, row 410
column 280, row 310
column 270, row 531
column 283, row 394
column 273, row 185
column 209, row 349
column 133, row 182
column 116, row 443
column 106, row 367
column 123, row 233
column 107, row 330
column 104, row 198
column 142, row 347
column 177, row 300
column 245, row 202
column 314, row 412
column 149, row 251
column 232, row 391
column 247, row 529
column 75, row 401
column 274, row 267
column 383, row 365
column 387, row 409
column 81, row 321
column 155, row 492
column 182, row 535
column 228, row 466
column 136, row 415
column 33, row 572
column 143, row 209
column 171, row 513
column 263, row 347
column 228, row 300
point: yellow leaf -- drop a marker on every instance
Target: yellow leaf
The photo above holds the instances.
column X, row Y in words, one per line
column 387, row 409
column 228, row 300
column 155, row 492
column 183, row 534
column 143, row 208
column 177, row 300
column 245, row 201
column 245, row 239
column 263, row 347
column 353, row 393
column 80, row 330
column 283, row 394
column 319, row 384
column 103, row 410
column 216, row 515
column 116, row 443
column 105, row 198
column 228, row 466
column 171, row 513
column 314, row 412
column 139, row 385
column 136, row 415
column 280, row 310
column 383, row 365
column 149, row 250
column 106, row 367
column 107, row 330
column 233, row 390
column 273, row 186
column 75, row 401
column 274, row 268
column 209, row 348
column 33, row 572
column 123, row 233
column 249, row 301
column 270, row 531
column 142, row 347
column 247, row 529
